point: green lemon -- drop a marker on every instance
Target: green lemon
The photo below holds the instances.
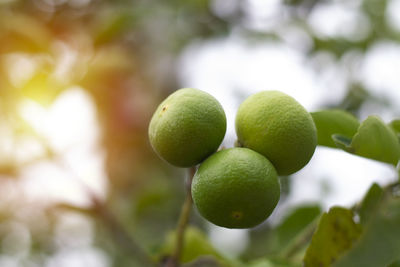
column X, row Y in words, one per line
column 196, row 245
column 277, row 126
column 187, row 127
column 236, row 188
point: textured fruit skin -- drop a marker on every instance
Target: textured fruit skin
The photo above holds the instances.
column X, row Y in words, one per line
column 187, row 127
column 277, row 126
column 236, row 188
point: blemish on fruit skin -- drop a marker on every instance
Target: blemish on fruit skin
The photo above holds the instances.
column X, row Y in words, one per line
column 164, row 109
column 237, row 215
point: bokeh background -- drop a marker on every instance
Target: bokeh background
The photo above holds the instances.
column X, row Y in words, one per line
column 80, row 79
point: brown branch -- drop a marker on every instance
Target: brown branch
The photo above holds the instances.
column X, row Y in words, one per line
column 99, row 209
column 174, row 260
column 120, row 234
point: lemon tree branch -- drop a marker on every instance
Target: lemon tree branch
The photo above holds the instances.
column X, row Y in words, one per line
column 182, row 222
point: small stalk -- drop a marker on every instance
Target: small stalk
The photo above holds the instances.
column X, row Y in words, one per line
column 173, row 261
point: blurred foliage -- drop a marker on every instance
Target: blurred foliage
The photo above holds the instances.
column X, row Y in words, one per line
column 196, row 245
column 370, row 203
column 374, row 140
column 378, row 245
column 371, row 139
column 329, row 122
column 335, row 234
column 283, row 239
column 124, row 54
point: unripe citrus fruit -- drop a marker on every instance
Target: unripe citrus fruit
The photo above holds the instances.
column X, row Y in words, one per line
column 277, row 126
column 236, row 188
column 187, row 127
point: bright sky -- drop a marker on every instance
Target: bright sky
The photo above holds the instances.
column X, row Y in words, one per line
column 70, row 126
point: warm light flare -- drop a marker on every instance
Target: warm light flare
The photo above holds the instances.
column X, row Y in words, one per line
column 70, row 129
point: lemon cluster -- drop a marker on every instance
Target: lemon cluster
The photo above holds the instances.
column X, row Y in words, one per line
column 236, row 187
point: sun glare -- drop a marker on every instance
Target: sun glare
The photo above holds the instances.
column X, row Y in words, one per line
column 70, row 128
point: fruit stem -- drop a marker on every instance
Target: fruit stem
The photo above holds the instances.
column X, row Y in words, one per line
column 182, row 222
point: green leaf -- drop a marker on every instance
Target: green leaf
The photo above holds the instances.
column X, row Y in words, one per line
column 395, row 264
column 373, row 140
column 395, row 125
column 335, row 234
column 284, row 238
column 334, row 121
column 293, row 225
column 379, row 245
column 370, row 203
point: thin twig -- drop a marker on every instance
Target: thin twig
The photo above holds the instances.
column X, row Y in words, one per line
column 99, row 210
column 118, row 231
column 301, row 240
column 174, row 260
column 121, row 235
